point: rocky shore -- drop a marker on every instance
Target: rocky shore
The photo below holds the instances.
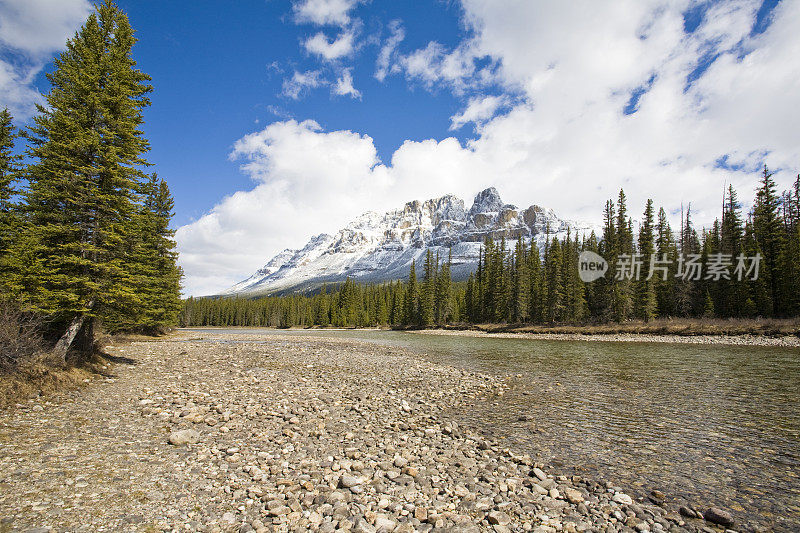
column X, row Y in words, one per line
column 200, row 432
column 729, row 340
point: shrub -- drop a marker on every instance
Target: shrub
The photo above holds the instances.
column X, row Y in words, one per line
column 20, row 336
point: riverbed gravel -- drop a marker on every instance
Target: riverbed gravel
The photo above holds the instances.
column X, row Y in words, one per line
column 200, row 432
column 792, row 341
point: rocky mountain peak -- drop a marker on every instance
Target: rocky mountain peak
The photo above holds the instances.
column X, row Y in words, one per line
column 487, row 201
column 378, row 247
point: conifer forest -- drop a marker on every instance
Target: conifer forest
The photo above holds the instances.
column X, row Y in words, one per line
column 745, row 265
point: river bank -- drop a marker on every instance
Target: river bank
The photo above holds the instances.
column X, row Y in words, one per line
column 720, row 339
column 752, row 335
column 212, row 433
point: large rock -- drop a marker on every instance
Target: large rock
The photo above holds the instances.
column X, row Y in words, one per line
column 184, row 436
column 716, row 515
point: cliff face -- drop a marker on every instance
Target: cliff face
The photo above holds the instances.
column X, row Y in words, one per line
column 380, row 247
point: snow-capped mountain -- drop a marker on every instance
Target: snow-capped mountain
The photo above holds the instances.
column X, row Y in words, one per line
column 380, row 247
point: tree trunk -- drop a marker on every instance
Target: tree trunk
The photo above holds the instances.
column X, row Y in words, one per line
column 63, row 344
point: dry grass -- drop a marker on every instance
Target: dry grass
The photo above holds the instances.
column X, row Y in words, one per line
column 27, row 368
column 771, row 327
column 34, row 380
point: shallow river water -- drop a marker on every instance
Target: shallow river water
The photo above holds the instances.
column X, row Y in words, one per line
column 704, row 424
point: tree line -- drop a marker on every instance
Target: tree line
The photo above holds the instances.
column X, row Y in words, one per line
column 744, row 265
column 84, row 228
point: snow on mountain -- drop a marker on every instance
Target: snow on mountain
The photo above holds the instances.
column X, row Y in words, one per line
column 380, row 247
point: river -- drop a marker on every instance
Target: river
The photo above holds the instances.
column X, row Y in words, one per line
column 704, row 424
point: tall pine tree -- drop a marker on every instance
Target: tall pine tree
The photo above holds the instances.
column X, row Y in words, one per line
column 88, row 150
column 645, row 294
column 9, row 215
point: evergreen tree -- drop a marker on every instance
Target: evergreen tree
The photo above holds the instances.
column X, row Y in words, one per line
column 520, row 279
column 609, row 250
column 89, row 149
column 535, row 307
column 759, row 301
column 426, row 293
column 770, row 236
column 160, row 290
column 555, row 302
column 574, row 288
column 621, row 295
column 469, row 299
column 9, row 215
column 732, row 293
column 645, row 305
column 443, row 294
column 688, row 250
column 411, row 314
column 664, row 281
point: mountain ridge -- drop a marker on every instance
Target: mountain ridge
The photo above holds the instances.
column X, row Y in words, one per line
column 377, row 247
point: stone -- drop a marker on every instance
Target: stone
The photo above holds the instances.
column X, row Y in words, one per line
column 184, row 436
column 384, row 524
column 718, row 516
column 498, row 517
column 622, row 498
column 539, row 474
column 362, row 526
column 573, row 496
column 280, row 510
column 348, row 481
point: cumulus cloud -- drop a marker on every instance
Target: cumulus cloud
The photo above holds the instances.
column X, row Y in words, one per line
column 344, row 86
column 301, row 81
column 435, row 64
column 479, row 109
column 32, row 30
column 306, row 179
column 323, row 12
column 341, row 47
column 389, row 49
column 604, row 96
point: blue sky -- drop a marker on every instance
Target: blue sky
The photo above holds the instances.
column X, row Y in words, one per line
column 218, row 71
column 274, row 120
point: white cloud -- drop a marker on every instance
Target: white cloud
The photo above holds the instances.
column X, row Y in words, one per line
column 17, row 92
column 306, row 179
column 388, row 50
column 32, row 30
column 322, row 12
column 479, row 109
column 565, row 143
column 435, row 64
column 344, row 86
column 300, row 81
column 330, row 51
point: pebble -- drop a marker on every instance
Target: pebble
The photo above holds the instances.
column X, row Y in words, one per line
column 295, row 434
column 718, row 516
column 184, row 436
